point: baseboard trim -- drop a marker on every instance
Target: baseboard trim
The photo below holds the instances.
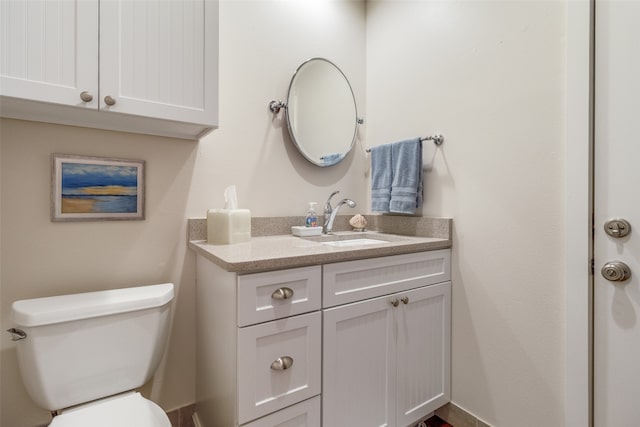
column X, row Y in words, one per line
column 196, row 420
column 451, row 413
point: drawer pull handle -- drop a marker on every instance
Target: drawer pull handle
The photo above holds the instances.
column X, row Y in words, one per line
column 282, row 293
column 282, row 363
column 405, row 300
column 86, row 96
column 394, row 302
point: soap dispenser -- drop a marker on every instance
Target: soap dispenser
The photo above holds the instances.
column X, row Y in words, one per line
column 312, row 217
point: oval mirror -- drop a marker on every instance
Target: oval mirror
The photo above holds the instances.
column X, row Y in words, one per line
column 321, row 112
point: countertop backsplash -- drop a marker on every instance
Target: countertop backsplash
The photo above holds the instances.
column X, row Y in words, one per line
column 393, row 224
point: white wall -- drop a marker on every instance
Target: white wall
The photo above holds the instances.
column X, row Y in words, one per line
column 261, row 44
column 41, row 258
column 490, row 76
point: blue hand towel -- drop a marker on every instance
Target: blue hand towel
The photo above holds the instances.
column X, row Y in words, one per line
column 381, row 178
column 406, row 184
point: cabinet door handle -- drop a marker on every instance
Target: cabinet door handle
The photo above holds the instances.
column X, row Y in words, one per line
column 86, row 96
column 394, row 302
column 282, row 293
column 109, row 100
column 405, row 300
column 282, row 363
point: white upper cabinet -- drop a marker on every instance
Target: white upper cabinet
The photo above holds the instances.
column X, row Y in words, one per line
column 154, row 58
column 49, row 50
column 138, row 66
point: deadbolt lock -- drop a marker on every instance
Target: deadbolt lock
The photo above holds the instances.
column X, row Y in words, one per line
column 617, row 227
column 616, row 271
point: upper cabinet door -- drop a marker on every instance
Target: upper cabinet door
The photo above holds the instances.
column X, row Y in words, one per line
column 49, row 51
column 159, row 59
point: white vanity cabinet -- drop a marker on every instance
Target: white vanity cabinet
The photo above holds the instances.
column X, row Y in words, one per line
column 139, row 66
column 258, row 347
column 355, row 343
column 386, row 359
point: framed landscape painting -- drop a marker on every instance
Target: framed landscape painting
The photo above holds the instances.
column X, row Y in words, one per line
column 96, row 188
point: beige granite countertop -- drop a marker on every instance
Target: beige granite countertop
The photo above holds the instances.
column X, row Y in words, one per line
column 286, row 251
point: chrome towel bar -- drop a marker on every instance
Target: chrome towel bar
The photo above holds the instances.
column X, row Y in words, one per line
column 437, row 139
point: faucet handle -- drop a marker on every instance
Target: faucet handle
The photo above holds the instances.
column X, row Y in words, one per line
column 327, row 205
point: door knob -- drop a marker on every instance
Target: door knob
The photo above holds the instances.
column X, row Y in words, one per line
column 109, row 100
column 617, row 227
column 616, row 271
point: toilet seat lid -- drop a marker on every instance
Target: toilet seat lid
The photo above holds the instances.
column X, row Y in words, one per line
column 130, row 409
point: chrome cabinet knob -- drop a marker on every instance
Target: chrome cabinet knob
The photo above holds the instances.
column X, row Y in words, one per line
column 282, row 363
column 616, row 271
column 282, row 293
column 109, row 100
column 405, row 300
column 394, row 302
column 86, row 96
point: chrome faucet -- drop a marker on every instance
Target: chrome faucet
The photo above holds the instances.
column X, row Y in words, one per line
column 330, row 213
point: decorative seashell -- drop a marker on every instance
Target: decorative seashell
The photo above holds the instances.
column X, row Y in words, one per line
column 358, row 222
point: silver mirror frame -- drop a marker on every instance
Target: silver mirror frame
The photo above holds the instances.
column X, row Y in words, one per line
column 322, row 162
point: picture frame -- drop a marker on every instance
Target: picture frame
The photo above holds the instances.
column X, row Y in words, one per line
column 85, row 188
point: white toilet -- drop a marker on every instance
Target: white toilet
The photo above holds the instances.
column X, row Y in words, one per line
column 83, row 355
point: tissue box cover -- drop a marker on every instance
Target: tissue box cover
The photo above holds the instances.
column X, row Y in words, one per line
column 226, row 226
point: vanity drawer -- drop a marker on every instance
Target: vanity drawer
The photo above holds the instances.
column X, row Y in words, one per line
column 351, row 281
column 264, row 384
column 276, row 294
column 303, row 414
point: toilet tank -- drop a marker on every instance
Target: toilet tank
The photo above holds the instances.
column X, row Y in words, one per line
column 82, row 347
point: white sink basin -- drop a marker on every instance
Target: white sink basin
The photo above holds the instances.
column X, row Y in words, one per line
column 354, row 242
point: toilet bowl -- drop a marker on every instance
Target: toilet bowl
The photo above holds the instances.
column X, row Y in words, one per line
column 82, row 356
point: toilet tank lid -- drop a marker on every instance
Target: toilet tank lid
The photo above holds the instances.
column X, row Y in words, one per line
column 66, row 308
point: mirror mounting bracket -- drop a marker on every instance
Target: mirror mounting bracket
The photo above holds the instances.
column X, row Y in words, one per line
column 276, row 106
